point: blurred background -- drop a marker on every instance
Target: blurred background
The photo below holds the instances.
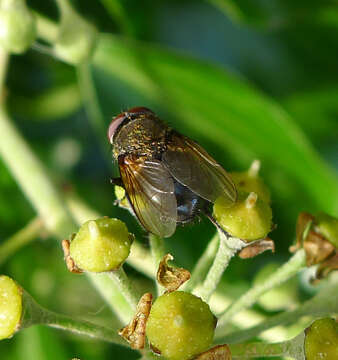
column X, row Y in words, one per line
column 247, row 79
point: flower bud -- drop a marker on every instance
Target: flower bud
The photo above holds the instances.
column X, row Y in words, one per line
column 10, row 307
column 250, row 218
column 101, row 245
column 17, row 26
column 328, row 227
column 77, row 38
column 249, row 181
column 180, row 326
column 321, row 340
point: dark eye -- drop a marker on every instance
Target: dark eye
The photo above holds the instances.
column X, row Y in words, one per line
column 114, row 125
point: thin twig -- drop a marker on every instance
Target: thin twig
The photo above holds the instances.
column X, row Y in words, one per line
column 227, row 249
column 23, row 237
column 285, row 272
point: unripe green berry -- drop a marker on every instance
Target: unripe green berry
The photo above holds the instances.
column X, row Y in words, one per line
column 249, row 181
column 180, row 325
column 101, row 245
column 248, row 219
column 77, row 38
column 321, row 340
column 17, row 26
column 328, row 227
column 10, row 306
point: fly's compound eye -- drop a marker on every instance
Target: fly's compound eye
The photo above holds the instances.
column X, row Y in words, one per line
column 115, row 123
column 129, row 114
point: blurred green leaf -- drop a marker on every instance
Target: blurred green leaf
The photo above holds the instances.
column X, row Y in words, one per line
column 213, row 103
column 316, row 111
column 39, row 343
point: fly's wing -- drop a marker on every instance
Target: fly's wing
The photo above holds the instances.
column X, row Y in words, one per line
column 150, row 190
column 193, row 167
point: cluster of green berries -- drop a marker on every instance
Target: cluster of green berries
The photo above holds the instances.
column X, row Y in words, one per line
column 250, row 217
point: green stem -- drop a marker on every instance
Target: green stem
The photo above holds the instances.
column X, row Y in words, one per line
column 118, row 12
column 323, row 304
column 23, row 237
column 91, row 103
column 112, row 295
column 285, row 272
column 293, row 348
column 4, row 56
column 30, row 174
column 125, row 287
column 34, row 314
column 47, row 30
column 157, row 249
column 226, row 250
column 83, row 328
column 203, row 264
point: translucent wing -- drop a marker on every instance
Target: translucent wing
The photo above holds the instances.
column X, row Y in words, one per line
column 150, row 190
column 193, row 167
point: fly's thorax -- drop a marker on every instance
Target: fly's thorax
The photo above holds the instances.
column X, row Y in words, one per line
column 143, row 136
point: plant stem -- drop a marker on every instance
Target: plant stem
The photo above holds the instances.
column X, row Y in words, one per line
column 203, row 264
column 34, row 314
column 285, row 272
column 3, row 69
column 125, row 287
column 224, row 254
column 291, row 348
column 46, row 29
column 116, row 9
column 23, row 237
column 157, row 251
column 323, row 304
column 91, row 104
column 112, row 295
column 83, row 328
column 30, row 174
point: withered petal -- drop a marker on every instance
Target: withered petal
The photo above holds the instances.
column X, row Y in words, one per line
column 135, row 331
column 171, row 277
column 257, row 248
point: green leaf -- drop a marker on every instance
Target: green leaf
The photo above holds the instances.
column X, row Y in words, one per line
column 211, row 103
column 40, row 343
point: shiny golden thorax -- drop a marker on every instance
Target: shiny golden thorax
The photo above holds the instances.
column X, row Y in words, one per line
column 144, row 135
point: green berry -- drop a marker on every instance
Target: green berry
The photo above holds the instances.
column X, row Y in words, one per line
column 101, row 245
column 180, row 325
column 321, row 340
column 10, row 307
column 77, row 38
column 250, row 218
column 249, row 181
column 328, row 227
column 17, row 26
